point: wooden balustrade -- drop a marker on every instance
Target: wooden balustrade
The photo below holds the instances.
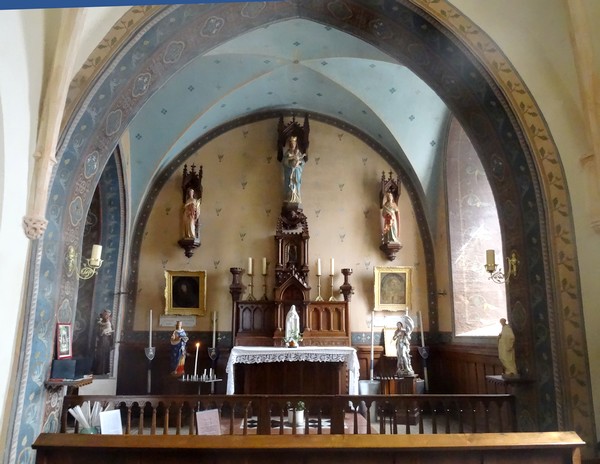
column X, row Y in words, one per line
column 339, row 414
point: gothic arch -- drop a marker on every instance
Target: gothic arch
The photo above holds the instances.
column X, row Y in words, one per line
column 479, row 85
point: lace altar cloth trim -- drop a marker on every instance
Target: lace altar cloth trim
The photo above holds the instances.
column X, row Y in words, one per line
column 268, row 354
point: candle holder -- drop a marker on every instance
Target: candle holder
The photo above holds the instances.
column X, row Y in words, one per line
column 150, row 352
column 332, row 298
column 319, row 297
column 251, row 296
column 264, row 297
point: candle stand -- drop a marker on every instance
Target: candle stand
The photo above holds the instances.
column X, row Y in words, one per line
column 332, row 298
column 264, row 297
column 150, row 352
column 251, row 296
column 319, row 297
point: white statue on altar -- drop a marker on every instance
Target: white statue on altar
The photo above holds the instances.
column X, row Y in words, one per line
column 292, row 327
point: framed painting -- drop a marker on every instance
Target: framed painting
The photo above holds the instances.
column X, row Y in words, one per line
column 64, row 342
column 392, row 288
column 185, row 293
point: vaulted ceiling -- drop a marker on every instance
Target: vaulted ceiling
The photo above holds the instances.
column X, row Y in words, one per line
column 292, row 65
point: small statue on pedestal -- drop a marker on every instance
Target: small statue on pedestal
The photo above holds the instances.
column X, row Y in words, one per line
column 506, row 350
column 402, row 338
column 292, row 328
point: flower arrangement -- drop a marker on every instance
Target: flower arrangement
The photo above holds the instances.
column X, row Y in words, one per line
column 293, row 340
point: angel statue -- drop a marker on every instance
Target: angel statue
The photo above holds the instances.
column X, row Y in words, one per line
column 404, row 328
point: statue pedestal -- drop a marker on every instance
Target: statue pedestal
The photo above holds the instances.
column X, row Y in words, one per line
column 390, row 249
column 188, row 244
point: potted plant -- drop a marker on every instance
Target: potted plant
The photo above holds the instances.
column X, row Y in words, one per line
column 296, row 414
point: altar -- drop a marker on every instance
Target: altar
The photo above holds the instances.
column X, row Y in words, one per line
column 306, row 369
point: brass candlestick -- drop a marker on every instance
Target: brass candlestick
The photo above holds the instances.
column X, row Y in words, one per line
column 264, row 297
column 251, row 296
column 332, row 298
column 319, row 297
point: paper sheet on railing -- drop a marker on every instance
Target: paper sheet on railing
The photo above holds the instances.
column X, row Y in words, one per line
column 208, row 422
column 110, row 423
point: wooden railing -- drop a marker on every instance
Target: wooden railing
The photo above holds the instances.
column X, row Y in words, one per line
column 340, row 414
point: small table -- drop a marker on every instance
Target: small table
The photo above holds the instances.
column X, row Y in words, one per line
column 272, row 354
column 71, row 384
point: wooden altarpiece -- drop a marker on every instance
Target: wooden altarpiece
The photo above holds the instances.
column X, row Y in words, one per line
column 262, row 322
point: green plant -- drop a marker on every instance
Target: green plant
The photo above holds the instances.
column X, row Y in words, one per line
column 300, row 406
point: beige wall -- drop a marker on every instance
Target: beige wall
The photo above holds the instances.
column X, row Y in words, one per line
column 241, row 203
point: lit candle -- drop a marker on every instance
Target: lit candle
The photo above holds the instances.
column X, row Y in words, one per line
column 264, row 266
column 490, row 258
column 250, row 266
column 332, row 267
column 150, row 332
column 196, row 362
column 319, row 266
column 214, row 328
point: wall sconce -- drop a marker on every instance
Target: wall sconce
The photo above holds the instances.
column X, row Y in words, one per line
column 496, row 274
column 90, row 269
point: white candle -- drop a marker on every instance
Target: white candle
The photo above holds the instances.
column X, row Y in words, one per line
column 332, row 267
column 196, row 362
column 250, row 266
column 214, row 328
column 96, row 252
column 150, row 332
column 490, row 258
column 264, row 266
column 421, row 326
column 319, row 266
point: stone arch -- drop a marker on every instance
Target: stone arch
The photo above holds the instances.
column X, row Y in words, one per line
column 481, row 87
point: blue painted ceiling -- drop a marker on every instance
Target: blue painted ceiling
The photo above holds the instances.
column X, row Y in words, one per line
column 296, row 64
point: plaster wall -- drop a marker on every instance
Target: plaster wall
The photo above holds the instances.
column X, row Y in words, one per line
column 243, row 194
column 547, row 65
column 21, row 55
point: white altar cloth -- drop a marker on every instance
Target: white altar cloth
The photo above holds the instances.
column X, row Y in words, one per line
column 268, row 354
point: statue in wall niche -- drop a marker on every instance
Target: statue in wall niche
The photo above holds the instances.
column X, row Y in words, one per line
column 104, row 343
column 404, row 328
column 506, row 350
column 390, row 220
column 190, row 215
column 191, row 187
column 293, row 163
column 389, row 193
column 292, row 152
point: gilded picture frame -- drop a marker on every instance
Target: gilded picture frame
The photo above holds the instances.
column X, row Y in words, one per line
column 185, row 293
column 392, row 288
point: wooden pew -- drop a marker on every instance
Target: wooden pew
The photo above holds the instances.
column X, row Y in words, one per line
column 486, row 448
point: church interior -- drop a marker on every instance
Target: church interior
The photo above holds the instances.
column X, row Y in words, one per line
column 188, row 186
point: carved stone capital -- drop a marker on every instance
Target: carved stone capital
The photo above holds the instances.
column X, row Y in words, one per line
column 34, row 227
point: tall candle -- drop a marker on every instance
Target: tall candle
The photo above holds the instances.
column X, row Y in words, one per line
column 250, row 266
column 150, row 332
column 490, row 259
column 421, row 326
column 196, row 362
column 264, row 266
column 214, row 328
column 319, row 266
column 332, row 267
